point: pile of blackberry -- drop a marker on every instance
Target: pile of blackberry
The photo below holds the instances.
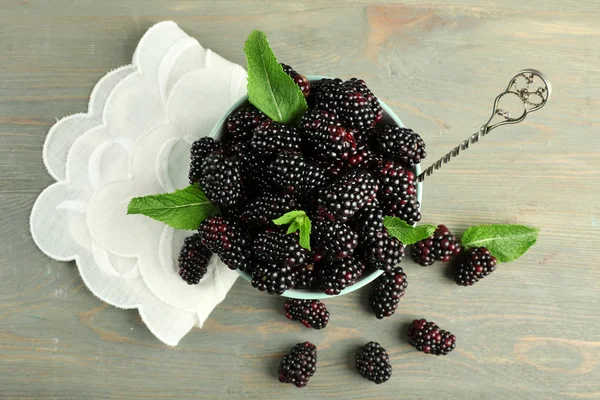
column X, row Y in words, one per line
column 339, row 163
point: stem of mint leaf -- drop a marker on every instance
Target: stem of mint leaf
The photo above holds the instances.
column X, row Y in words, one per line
column 406, row 233
column 182, row 209
column 297, row 221
column 505, row 242
column 270, row 89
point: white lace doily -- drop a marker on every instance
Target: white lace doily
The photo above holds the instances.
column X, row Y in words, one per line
column 134, row 141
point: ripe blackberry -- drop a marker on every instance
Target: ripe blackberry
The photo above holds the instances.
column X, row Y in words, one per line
column 221, row 180
column 383, row 252
column 406, row 210
column 401, row 145
column 348, row 195
column 361, row 86
column 324, row 135
column 430, row 339
column 253, row 167
column 300, row 365
column 369, row 223
column 305, row 276
column 299, row 79
column 295, row 175
column 264, row 209
column 273, row 278
column 201, row 148
column 395, row 182
column 228, row 239
column 338, row 274
column 438, row 247
column 271, row 137
column 387, row 290
column 333, row 239
column 193, row 259
column 275, row 246
column 359, row 157
column 475, row 264
column 373, row 363
column 311, row 313
column 242, row 123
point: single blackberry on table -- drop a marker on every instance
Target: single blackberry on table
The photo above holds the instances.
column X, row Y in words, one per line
column 383, row 252
column 475, row 264
column 438, row 247
column 273, row 278
column 275, row 246
column 395, row 182
column 201, row 148
column 270, row 137
column 324, row 135
column 406, row 210
column 300, row 365
column 311, row 313
column 221, row 180
column 430, row 339
column 264, row 209
column 242, row 123
column 228, row 239
column 295, row 175
column 299, row 79
column 193, row 259
column 345, row 197
column 333, row 239
column 387, row 291
column 401, row 145
column 306, row 276
column 338, row 274
column 373, row 363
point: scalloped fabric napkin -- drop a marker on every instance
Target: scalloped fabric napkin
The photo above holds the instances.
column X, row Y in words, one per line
column 133, row 141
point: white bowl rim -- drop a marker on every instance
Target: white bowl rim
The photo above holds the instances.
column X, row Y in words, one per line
column 363, row 280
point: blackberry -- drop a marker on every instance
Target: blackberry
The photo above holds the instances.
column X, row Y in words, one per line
column 387, row 290
column 228, row 239
column 273, row 278
column 338, row 274
column 333, row 239
column 361, row 86
column 275, row 246
column 294, row 175
column 406, row 210
column 253, row 167
column 305, row 276
column 358, row 157
column 324, row 135
column 311, row 313
column 193, row 259
column 298, row 79
column 373, row 363
column 395, row 182
column 300, row 365
column 221, row 180
column 271, row 137
column 264, row 209
column 383, row 252
column 401, row 145
column 430, row 339
column 201, row 148
column 438, row 247
column 348, row 195
column 369, row 223
column 475, row 264
column 242, row 123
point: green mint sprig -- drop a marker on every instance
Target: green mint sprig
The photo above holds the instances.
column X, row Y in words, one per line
column 297, row 221
column 182, row 209
column 505, row 242
column 270, row 89
column 406, row 233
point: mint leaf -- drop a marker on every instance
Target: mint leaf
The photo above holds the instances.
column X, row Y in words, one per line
column 182, row 209
column 298, row 221
column 505, row 242
column 270, row 89
column 406, row 233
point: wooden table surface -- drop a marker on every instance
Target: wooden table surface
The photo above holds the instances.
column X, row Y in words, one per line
column 529, row 331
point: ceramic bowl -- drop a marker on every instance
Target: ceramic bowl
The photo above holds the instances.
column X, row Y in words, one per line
column 389, row 117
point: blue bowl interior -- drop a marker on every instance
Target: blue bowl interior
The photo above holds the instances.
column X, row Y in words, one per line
column 389, row 117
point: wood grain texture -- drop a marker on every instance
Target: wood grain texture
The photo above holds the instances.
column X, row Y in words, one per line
column 531, row 330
